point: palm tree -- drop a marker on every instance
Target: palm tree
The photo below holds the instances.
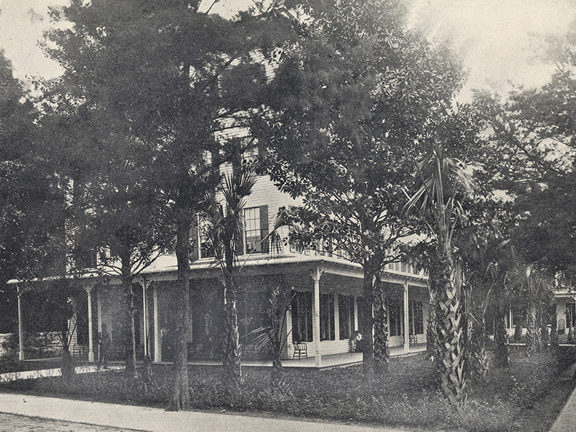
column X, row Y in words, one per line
column 226, row 228
column 442, row 182
column 273, row 337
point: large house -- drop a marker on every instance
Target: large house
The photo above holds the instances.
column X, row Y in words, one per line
column 323, row 316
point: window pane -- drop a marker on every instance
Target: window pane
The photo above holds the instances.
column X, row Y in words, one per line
column 345, row 314
column 253, row 231
column 327, row 331
column 395, row 314
column 302, row 317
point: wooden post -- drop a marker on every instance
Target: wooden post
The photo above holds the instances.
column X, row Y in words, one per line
column 20, row 326
column 157, row 347
column 99, row 312
column 88, row 289
column 406, row 319
column 355, row 313
column 336, row 322
column 145, row 314
column 316, row 274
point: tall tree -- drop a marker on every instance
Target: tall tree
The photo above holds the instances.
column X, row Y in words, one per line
column 124, row 222
column 175, row 75
column 442, row 183
column 226, row 219
column 483, row 245
column 345, row 110
column 30, row 203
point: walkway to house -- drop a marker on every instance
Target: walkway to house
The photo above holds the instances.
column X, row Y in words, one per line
column 159, row 420
column 566, row 421
column 41, row 373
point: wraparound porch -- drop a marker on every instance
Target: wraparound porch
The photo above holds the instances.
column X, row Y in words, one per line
column 327, row 324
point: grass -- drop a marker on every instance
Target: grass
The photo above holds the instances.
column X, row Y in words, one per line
column 405, row 396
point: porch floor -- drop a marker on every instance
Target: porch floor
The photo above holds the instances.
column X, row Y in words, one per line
column 327, row 361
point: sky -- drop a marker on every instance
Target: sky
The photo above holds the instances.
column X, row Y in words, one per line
column 501, row 42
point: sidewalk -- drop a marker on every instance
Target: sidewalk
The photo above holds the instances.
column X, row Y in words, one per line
column 159, row 420
column 566, row 421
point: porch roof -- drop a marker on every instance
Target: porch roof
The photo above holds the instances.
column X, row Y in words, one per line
column 256, row 265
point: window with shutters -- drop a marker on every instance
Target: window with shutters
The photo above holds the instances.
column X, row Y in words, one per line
column 256, row 229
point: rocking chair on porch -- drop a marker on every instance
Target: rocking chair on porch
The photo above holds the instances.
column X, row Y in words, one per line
column 300, row 349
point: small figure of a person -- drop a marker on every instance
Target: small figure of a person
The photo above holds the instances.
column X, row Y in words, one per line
column 356, row 342
column 104, row 342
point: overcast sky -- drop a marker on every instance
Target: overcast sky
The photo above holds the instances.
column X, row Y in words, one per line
column 500, row 41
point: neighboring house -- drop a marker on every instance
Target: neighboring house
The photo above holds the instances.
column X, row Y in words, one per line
column 562, row 311
column 323, row 313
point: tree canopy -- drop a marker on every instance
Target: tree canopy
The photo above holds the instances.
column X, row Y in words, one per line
column 346, row 110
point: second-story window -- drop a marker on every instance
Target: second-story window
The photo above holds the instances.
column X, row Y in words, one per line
column 256, row 229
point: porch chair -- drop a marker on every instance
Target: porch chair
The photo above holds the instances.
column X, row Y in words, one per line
column 413, row 339
column 300, row 349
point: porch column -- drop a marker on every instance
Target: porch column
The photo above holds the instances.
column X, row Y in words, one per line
column 406, row 319
column 157, row 349
column 145, row 314
column 88, row 289
column 99, row 312
column 336, row 322
column 316, row 274
column 355, row 313
column 20, row 326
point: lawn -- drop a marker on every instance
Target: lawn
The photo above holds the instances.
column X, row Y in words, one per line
column 405, row 396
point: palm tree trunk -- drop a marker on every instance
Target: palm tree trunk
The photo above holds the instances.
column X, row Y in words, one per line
column 449, row 355
column 277, row 377
column 431, row 334
column 531, row 330
column 231, row 363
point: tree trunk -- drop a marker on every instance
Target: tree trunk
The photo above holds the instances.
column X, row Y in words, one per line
column 181, row 396
column 231, row 363
column 431, row 334
column 449, row 357
column 502, row 353
column 381, row 351
column 128, row 324
column 68, row 369
column 278, row 383
column 531, row 330
column 367, row 325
